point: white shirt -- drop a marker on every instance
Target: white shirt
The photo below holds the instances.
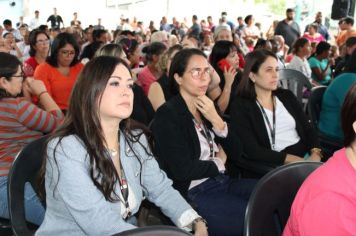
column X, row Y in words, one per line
column 301, row 65
column 34, row 23
column 205, row 152
column 286, row 133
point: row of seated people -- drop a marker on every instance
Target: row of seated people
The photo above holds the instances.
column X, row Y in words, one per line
column 255, row 81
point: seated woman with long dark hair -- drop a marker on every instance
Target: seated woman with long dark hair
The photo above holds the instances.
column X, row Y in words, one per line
column 98, row 164
column 270, row 121
column 193, row 144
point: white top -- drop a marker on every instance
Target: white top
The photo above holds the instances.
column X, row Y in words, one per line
column 205, row 152
column 286, row 133
column 301, row 65
column 34, row 23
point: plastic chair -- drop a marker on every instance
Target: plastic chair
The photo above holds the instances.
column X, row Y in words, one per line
column 269, row 206
column 5, row 227
column 24, row 169
column 314, row 109
column 296, row 82
column 157, row 230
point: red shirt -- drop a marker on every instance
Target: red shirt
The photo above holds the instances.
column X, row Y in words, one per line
column 58, row 86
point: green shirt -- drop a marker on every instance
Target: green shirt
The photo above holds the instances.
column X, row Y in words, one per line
column 333, row 98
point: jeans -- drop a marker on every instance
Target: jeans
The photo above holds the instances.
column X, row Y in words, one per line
column 222, row 202
column 34, row 211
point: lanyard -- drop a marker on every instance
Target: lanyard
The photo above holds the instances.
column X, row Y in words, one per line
column 124, row 191
column 206, row 134
column 272, row 129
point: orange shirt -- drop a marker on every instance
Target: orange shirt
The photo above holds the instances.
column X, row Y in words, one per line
column 344, row 35
column 58, row 85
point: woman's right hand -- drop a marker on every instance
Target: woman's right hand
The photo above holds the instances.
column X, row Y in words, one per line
column 35, row 86
column 229, row 75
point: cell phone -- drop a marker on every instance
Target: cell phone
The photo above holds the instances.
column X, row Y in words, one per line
column 223, row 63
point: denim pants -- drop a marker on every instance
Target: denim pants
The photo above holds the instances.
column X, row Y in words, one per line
column 222, row 202
column 34, row 210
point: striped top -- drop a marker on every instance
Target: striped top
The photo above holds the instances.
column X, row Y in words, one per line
column 21, row 122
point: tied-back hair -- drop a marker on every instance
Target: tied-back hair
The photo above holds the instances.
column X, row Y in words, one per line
column 155, row 48
column 298, row 44
column 163, row 60
column 83, row 121
column 179, row 65
column 322, row 47
column 9, row 64
column 111, row 49
column 33, row 40
column 59, row 42
column 348, row 116
column 253, row 62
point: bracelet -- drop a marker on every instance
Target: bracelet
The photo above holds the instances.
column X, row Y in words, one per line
column 41, row 93
column 199, row 219
column 317, row 150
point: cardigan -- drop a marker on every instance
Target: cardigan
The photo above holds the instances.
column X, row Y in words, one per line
column 248, row 123
column 75, row 206
column 177, row 146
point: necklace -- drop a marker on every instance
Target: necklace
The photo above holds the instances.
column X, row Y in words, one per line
column 113, row 152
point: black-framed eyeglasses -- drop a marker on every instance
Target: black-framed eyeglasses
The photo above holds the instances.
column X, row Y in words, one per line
column 198, row 72
column 23, row 76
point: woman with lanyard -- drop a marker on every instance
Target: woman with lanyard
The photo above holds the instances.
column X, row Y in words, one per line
column 99, row 163
column 193, row 145
column 270, row 121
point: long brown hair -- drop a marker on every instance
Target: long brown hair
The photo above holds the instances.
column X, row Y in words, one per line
column 83, row 121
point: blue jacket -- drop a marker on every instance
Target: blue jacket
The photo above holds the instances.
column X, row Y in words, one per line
column 75, row 206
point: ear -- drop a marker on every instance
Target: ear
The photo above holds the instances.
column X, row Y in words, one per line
column 3, row 83
column 252, row 77
column 354, row 126
column 178, row 79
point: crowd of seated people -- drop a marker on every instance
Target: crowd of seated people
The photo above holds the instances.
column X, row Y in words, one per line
column 208, row 93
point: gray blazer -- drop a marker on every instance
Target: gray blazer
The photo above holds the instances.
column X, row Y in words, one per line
column 76, row 207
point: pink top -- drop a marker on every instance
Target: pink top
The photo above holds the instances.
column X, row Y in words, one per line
column 326, row 202
column 145, row 78
column 314, row 39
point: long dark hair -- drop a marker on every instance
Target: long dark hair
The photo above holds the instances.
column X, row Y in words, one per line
column 179, row 65
column 253, row 62
column 83, row 121
column 59, row 42
column 9, row 64
column 33, row 40
column 220, row 51
column 348, row 116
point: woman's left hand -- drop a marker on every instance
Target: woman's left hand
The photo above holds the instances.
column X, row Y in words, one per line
column 201, row 229
column 314, row 157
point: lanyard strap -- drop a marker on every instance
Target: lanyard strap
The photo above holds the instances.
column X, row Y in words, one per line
column 124, row 191
column 206, row 134
column 272, row 129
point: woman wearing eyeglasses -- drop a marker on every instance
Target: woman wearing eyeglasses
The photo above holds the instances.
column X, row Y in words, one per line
column 21, row 122
column 39, row 48
column 61, row 69
column 193, row 145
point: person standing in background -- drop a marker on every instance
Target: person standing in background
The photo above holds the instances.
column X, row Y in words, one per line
column 288, row 28
column 55, row 20
column 35, row 22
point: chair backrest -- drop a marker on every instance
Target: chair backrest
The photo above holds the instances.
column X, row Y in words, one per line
column 269, row 206
column 157, row 230
column 315, row 102
column 24, row 169
column 294, row 81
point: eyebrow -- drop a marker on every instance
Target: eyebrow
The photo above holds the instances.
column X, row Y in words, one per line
column 118, row 77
